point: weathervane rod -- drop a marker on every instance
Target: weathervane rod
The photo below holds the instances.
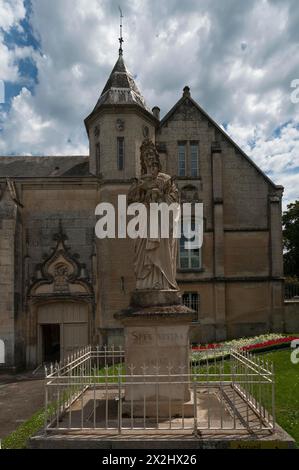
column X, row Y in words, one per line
column 121, row 40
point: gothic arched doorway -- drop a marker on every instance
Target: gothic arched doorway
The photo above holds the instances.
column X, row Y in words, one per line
column 62, row 328
column 60, row 307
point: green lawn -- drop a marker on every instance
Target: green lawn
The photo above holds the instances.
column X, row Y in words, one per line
column 18, row 439
column 287, row 391
column 286, row 388
column 287, row 400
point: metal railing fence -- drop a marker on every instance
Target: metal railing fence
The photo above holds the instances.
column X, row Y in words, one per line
column 224, row 390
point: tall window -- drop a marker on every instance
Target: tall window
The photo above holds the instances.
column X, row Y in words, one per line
column 98, row 157
column 191, row 300
column 194, row 158
column 189, row 259
column 120, row 153
column 182, row 158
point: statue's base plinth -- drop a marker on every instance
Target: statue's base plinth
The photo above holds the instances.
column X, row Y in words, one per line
column 152, row 298
column 157, row 350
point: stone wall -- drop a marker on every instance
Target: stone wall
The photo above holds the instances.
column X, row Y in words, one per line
column 115, row 267
column 44, row 207
column 49, row 207
column 233, row 309
column 103, row 136
column 8, row 295
column 291, row 316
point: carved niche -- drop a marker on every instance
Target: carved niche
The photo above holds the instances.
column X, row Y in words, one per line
column 60, row 274
column 120, row 125
column 189, row 193
column 186, row 112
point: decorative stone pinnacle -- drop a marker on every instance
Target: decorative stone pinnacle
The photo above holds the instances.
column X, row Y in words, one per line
column 186, row 91
column 60, row 236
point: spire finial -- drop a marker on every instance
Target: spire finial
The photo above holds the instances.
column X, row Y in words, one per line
column 121, row 40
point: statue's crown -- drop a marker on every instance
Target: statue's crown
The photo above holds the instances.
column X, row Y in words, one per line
column 147, row 145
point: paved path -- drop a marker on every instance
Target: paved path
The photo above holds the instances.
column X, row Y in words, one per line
column 20, row 397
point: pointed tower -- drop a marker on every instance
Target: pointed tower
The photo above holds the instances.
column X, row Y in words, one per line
column 116, row 129
column 121, row 89
column 117, row 126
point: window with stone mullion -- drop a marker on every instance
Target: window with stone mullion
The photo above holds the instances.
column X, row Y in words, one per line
column 120, row 153
column 189, row 259
column 194, row 156
column 182, row 158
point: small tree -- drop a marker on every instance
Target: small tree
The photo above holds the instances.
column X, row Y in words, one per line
column 290, row 221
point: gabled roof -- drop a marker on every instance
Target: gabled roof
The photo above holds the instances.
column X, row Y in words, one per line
column 186, row 96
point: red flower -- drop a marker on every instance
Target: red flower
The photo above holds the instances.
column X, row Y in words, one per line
column 270, row 342
column 249, row 347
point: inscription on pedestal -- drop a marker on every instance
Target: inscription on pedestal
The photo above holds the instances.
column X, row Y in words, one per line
column 145, row 338
column 158, row 349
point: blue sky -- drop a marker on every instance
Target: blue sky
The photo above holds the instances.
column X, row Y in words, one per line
column 21, row 35
column 239, row 58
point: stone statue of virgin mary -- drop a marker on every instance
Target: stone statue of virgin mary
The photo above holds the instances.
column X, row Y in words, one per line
column 155, row 258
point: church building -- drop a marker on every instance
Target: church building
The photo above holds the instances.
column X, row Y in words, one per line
column 60, row 286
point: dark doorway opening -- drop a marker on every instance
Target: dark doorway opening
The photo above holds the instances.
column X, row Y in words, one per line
column 51, row 343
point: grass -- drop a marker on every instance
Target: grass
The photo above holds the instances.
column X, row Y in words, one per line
column 286, row 388
column 18, row 439
column 286, row 391
column 287, row 401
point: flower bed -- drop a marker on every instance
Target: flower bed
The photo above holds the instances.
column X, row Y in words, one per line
column 256, row 343
column 270, row 343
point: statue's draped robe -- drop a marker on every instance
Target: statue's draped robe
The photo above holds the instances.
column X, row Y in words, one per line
column 156, row 258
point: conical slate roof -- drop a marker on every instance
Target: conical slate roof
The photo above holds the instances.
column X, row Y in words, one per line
column 121, row 88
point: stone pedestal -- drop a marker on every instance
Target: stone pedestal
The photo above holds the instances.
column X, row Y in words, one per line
column 156, row 330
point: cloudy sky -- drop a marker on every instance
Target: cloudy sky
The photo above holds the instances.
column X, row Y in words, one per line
column 239, row 58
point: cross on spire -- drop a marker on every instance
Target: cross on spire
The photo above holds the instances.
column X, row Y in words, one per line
column 121, row 40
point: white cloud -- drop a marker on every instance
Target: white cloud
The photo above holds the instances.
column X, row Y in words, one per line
column 239, row 60
column 11, row 12
column 277, row 155
column 39, row 132
column 8, row 68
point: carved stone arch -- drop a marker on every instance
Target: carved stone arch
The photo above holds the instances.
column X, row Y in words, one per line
column 60, row 274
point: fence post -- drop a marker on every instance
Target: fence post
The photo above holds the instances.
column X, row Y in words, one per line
column 46, row 402
column 195, row 432
column 273, row 396
column 119, row 403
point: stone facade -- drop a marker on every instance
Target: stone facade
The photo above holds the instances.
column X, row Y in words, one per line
column 239, row 283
